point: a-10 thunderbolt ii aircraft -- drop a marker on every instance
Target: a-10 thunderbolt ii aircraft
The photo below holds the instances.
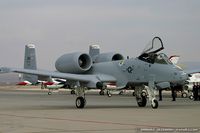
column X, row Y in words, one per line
column 150, row 69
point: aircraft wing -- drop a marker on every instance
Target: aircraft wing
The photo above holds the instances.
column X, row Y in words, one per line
column 76, row 77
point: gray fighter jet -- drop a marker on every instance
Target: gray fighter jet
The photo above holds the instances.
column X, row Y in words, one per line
column 151, row 68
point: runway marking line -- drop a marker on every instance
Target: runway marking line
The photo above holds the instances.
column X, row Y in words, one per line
column 88, row 121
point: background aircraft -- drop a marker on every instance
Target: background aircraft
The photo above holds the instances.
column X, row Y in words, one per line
column 193, row 78
column 151, row 69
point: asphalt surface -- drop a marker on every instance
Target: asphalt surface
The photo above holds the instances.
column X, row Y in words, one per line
column 31, row 110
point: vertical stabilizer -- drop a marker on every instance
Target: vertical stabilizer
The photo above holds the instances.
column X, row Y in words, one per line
column 30, row 63
column 94, row 50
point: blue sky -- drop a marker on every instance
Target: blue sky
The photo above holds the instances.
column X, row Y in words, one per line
column 126, row 26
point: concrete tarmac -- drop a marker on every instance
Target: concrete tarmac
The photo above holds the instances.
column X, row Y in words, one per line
column 31, row 110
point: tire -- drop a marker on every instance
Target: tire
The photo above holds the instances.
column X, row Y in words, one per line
column 141, row 101
column 109, row 94
column 121, row 92
column 80, row 102
column 42, row 86
column 49, row 93
column 191, row 97
column 143, row 94
column 72, row 92
column 101, row 92
column 184, row 95
column 154, row 104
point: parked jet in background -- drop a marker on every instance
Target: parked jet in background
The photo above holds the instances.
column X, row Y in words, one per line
column 53, row 84
column 151, row 69
column 179, row 88
column 194, row 77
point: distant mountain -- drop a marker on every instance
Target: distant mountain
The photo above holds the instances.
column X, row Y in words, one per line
column 189, row 65
column 9, row 78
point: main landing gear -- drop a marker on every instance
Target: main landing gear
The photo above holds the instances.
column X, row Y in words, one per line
column 141, row 93
column 141, row 97
column 101, row 92
column 142, row 101
column 80, row 100
column 73, row 92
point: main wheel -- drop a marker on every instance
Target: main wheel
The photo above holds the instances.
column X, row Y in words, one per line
column 121, row 92
column 109, row 94
column 101, row 92
column 141, row 101
column 154, row 104
column 73, row 92
column 191, row 97
column 143, row 94
column 80, row 102
column 184, row 95
column 49, row 93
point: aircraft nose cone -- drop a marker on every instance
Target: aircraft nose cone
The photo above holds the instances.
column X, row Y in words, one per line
column 183, row 76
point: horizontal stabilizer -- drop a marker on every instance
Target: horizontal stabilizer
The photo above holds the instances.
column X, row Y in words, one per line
column 5, row 70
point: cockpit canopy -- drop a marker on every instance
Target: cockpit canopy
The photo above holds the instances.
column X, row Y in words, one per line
column 150, row 55
column 153, row 46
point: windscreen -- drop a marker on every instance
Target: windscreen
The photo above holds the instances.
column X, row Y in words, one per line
column 162, row 59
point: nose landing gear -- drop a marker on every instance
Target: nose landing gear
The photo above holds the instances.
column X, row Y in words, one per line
column 142, row 92
column 154, row 104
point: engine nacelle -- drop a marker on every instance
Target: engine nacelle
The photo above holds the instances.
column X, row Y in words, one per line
column 74, row 63
column 105, row 57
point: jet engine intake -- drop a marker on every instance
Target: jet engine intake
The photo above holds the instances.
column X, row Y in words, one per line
column 74, row 63
column 105, row 57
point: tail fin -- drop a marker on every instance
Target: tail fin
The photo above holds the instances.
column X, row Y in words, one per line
column 94, row 50
column 30, row 63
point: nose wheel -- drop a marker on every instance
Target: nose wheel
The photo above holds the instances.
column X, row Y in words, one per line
column 154, row 104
